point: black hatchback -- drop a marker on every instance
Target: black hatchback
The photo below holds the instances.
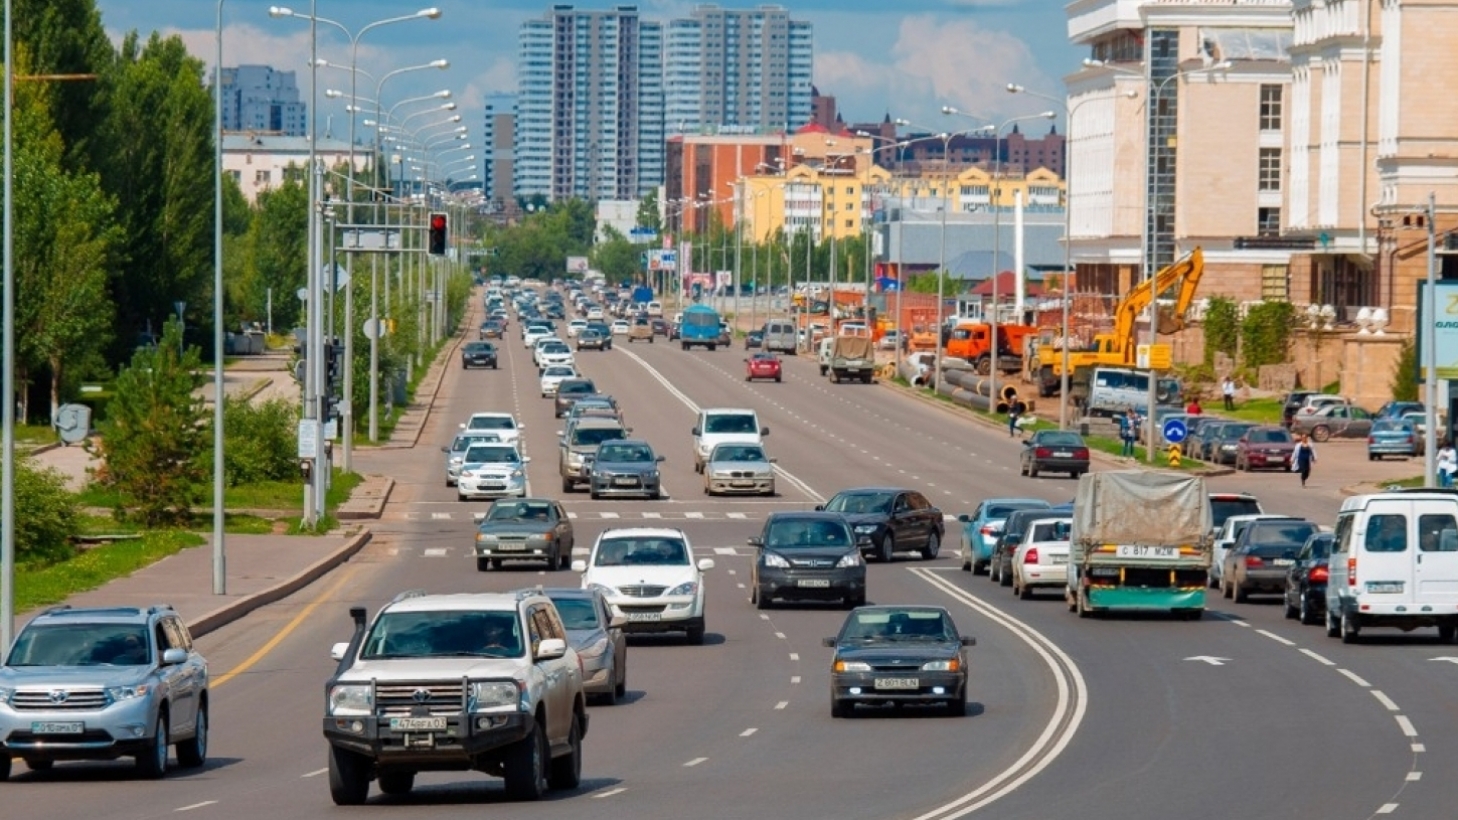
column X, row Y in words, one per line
column 807, row 556
column 894, row 519
column 478, row 354
column 1306, row 581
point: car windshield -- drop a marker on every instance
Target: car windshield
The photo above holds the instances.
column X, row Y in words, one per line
column 792, row 533
column 462, row 443
column 1321, row 546
column 1391, row 426
column 1222, row 509
column 1268, row 437
column 519, row 511
column 861, row 503
column 998, row 512
column 81, row 645
column 625, row 454
column 1234, row 431
column 1060, row 439
column 1051, row 530
column 739, row 452
column 593, row 436
column 577, row 613
column 701, row 319
column 647, row 551
column 731, row 423
column 444, row 634
column 898, row 625
column 492, row 455
column 577, row 387
column 1280, row 533
column 555, row 347
column 492, row 423
column 585, row 406
column 559, row 372
column 478, row 347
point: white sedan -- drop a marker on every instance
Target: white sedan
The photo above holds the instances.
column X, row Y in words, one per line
column 553, row 376
column 575, row 327
column 1041, row 559
column 620, row 327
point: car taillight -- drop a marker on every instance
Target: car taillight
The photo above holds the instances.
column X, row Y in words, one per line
column 1318, row 574
column 1031, row 556
column 1081, row 452
column 1254, row 561
column 1042, row 452
column 988, row 530
column 1351, row 572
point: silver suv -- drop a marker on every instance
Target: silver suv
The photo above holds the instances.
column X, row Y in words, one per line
column 99, row 684
column 479, row 681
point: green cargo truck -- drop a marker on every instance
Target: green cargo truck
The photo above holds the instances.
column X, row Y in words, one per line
column 1141, row 541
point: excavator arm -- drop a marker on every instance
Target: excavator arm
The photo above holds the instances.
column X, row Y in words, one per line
column 1185, row 272
column 1192, row 268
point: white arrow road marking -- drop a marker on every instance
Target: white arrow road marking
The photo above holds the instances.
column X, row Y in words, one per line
column 197, row 805
column 1447, row 658
column 1213, row 661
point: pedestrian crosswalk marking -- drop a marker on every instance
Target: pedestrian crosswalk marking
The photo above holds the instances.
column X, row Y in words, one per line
column 696, row 515
column 739, row 516
column 725, row 551
column 441, row 516
column 435, row 552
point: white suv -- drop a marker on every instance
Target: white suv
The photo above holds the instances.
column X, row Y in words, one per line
column 503, row 425
column 724, row 425
column 650, row 578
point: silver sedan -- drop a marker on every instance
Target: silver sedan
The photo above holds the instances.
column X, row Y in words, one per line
column 739, row 469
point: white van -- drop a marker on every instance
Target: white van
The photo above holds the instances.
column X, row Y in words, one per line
column 1394, row 562
column 780, row 336
column 1113, row 390
column 655, row 308
column 723, row 425
column 822, row 354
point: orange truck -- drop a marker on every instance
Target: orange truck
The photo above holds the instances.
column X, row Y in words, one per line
column 971, row 341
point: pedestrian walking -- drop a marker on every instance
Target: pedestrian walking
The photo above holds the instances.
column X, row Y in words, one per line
column 1227, row 390
column 1015, row 409
column 1302, row 458
column 1129, row 431
column 1447, row 464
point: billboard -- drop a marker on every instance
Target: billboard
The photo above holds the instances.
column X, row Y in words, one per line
column 1444, row 330
column 577, row 265
column 662, row 260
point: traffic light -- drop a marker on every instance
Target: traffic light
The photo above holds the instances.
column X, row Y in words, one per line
column 437, row 234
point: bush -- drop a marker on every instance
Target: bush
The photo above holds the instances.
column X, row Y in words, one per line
column 1266, row 334
column 1222, row 328
column 1405, row 372
column 45, row 515
column 258, row 441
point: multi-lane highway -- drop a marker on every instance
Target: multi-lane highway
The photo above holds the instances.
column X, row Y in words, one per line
column 1240, row 714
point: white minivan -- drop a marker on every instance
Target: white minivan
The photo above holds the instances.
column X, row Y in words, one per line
column 724, row 425
column 1394, row 563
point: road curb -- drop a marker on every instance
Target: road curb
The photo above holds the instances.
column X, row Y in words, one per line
column 259, row 386
column 234, row 610
column 372, row 500
column 436, row 371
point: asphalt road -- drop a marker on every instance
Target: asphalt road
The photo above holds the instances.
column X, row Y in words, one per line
column 1241, row 714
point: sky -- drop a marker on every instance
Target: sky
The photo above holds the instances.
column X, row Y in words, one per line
column 902, row 58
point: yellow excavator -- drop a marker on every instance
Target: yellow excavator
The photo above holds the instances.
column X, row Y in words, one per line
column 1117, row 348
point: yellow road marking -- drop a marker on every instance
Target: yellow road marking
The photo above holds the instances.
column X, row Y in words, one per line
column 288, row 629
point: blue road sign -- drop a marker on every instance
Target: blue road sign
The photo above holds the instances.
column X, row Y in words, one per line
column 1175, row 431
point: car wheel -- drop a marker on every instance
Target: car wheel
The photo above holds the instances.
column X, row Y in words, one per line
column 758, row 599
column 567, row 769
column 1290, row 611
column 483, row 564
column 1023, row 591
column 593, row 494
column 957, row 707
column 1004, row 575
column 1032, row 469
column 1446, row 631
column 349, row 777
column 933, row 546
column 777, row 379
column 992, row 570
column 1333, row 629
column 152, row 764
column 1303, row 611
column 39, row 765
column 566, row 485
column 1079, row 606
column 526, row 766
column 621, row 690
column 193, row 752
column 696, row 635
column 1022, row 467
column 1351, row 632
column 1242, row 596
column 839, row 708
column 1226, row 589
column 888, row 548
column 396, row 783
column 1320, row 433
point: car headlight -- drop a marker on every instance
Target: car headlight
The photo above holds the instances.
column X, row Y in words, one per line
column 686, row 588
column 603, row 588
column 595, row 651
column 949, row 665
column 5, row 694
column 120, row 693
column 773, row 560
column 456, row 460
column 574, row 458
column 720, row 474
column 865, row 529
column 483, row 537
column 651, row 474
column 517, row 473
column 494, row 694
column 852, row 666
column 851, row 559
column 351, row 700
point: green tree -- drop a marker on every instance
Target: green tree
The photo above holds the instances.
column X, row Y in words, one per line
column 923, row 283
column 1405, row 372
column 276, row 249
column 155, row 440
column 260, row 441
column 67, row 37
column 1222, row 328
column 618, row 259
column 1266, row 333
column 648, row 216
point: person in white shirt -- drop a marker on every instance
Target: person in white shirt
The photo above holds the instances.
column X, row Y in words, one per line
column 1447, row 464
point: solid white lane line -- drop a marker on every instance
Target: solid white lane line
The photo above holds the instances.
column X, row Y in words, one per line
column 782, row 704
column 696, row 761
column 609, row 792
column 1277, row 638
column 1355, row 678
column 1384, row 700
column 314, row 773
column 1406, row 725
column 747, row 732
column 197, row 805
column 1318, row 658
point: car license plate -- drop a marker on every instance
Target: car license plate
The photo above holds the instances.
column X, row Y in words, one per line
column 645, row 617
column 417, row 724
column 511, row 547
column 897, row 683
column 1141, row 551
column 813, row 583
column 1384, row 586
column 1282, row 562
column 625, row 482
column 1058, row 559
column 741, row 483
column 1063, row 454
column 74, row 727
column 852, row 370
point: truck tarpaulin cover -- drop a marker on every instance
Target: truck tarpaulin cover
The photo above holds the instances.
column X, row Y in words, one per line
column 1141, row 507
column 853, row 347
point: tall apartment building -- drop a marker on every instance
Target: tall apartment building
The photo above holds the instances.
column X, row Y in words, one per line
column 740, row 70
column 589, row 104
column 258, row 98
column 499, row 155
column 1191, row 97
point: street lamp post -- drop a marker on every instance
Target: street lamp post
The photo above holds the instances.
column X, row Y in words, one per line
column 220, row 566
column 7, row 370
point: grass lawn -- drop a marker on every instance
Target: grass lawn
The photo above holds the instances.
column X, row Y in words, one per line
column 1260, row 411
column 37, row 586
column 268, row 495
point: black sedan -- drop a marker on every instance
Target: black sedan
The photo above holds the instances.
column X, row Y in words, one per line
column 894, row 519
column 568, row 392
column 492, row 329
column 590, row 339
column 1262, row 556
column 1306, row 581
column 897, row 655
column 807, row 556
column 523, row 528
column 1054, row 451
column 660, row 327
column 478, row 354
column 1226, row 443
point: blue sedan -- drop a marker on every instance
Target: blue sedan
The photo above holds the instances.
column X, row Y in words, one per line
column 981, row 529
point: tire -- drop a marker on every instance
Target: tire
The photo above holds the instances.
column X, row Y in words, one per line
column 712, row 348
column 593, row 494
column 40, row 765
column 1023, row 591
column 1333, row 629
column 991, row 570
column 349, row 777
column 967, row 566
column 526, row 765
column 1079, row 607
column 1004, row 576
column 823, row 368
column 696, row 635
column 839, row 708
column 152, row 764
column 957, row 707
column 1304, row 613
column 933, row 546
column 759, row 601
column 1032, row 469
column 1320, row 433
column 1242, row 596
column 777, row 379
column 1289, row 611
column 1226, row 590
column 650, row 340
column 621, row 689
column 483, row 564
column 193, row 752
column 567, row 770
column 888, row 548
column 566, row 485
column 1351, row 632
column 1446, row 631
column 396, row 783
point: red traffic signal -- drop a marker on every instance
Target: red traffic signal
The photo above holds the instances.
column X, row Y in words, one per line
column 437, row 245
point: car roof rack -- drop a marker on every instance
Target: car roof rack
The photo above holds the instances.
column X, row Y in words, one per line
column 1441, row 490
column 67, row 610
column 408, row 594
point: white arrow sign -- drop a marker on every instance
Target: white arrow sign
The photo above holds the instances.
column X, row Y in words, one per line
column 1213, row 661
column 1445, row 658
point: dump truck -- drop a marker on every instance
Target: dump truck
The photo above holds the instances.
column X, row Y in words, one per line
column 1141, row 541
column 969, row 340
column 852, row 357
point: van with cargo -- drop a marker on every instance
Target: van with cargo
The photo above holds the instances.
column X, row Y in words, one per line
column 1394, row 563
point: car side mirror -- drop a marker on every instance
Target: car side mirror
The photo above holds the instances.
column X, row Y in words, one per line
column 764, row 431
column 618, row 622
column 964, row 518
column 337, row 651
column 706, row 564
column 756, row 541
column 774, row 461
column 828, row 642
column 551, row 649
column 660, row 459
column 579, row 566
column 820, row 508
column 445, row 449
column 173, row 657
column 695, row 432
column 968, row 641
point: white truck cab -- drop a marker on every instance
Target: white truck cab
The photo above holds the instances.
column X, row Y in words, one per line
column 1394, row 563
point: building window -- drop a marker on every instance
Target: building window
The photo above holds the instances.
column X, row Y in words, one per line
column 260, row 176
column 1271, row 107
column 1275, row 282
column 1270, row 169
column 1268, row 222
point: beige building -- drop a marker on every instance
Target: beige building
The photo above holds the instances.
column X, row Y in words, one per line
column 261, row 162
